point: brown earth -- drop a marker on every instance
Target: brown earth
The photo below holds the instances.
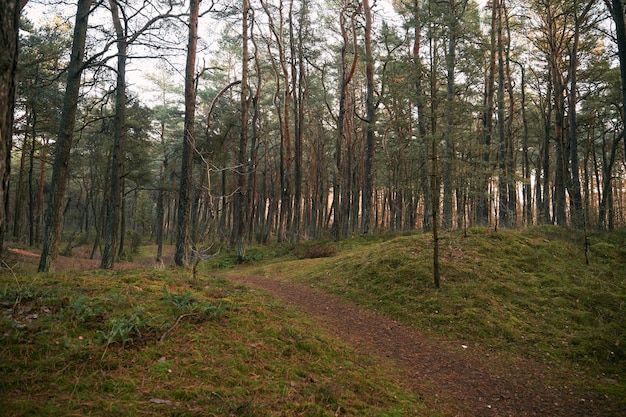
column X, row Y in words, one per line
column 449, row 377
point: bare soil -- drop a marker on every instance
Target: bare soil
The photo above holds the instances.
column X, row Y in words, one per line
column 450, row 377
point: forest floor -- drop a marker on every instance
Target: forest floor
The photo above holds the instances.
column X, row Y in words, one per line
column 449, row 377
column 466, row 380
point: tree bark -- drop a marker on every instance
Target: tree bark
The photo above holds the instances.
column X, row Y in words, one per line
column 616, row 8
column 240, row 196
column 368, row 183
column 60, row 168
column 577, row 215
column 183, row 244
column 9, row 31
column 119, row 139
column 341, row 173
column 483, row 203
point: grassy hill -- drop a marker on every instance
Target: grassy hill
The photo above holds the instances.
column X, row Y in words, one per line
column 527, row 294
column 149, row 341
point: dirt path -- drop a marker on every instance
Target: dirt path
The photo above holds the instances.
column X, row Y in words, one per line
column 468, row 380
column 450, row 378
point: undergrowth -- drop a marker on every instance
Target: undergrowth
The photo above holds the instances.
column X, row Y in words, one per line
column 155, row 342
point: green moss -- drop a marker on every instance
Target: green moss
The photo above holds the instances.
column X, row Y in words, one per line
column 526, row 293
column 107, row 343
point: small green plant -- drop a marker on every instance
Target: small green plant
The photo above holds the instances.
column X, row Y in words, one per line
column 82, row 309
column 124, row 330
column 184, row 301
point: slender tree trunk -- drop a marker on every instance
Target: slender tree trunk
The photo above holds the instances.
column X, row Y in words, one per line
column 368, row 182
column 298, row 83
column 546, row 200
column 60, row 168
column 183, row 244
column 435, row 214
column 421, row 126
column 511, row 168
column 32, row 209
column 527, row 209
column 503, row 214
column 575, row 191
column 448, row 153
column 341, row 171
column 18, row 213
column 160, row 206
column 607, row 169
column 119, row 139
column 484, row 196
column 240, row 197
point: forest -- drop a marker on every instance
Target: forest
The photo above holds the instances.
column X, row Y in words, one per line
column 236, row 123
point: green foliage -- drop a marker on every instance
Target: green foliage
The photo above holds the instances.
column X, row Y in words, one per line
column 123, row 330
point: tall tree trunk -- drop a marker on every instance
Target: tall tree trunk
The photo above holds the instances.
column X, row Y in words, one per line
column 503, row 214
column 183, row 244
column 511, row 168
column 558, row 86
column 617, row 11
column 9, row 30
column 119, row 138
column 341, row 188
column 435, row 213
column 368, row 175
column 453, row 15
column 32, row 214
column 60, row 168
column 527, row 209
column 18, row 212
column 484, row 194
column 160, row 206
column 421, row 126
column 575, row 191
column 546, row 200
column 298, row 80
column 240, row 196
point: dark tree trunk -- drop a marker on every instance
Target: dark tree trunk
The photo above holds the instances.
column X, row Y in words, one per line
column 368, row 175
column 575, row 188
column 503, row 214
column 181, row 256
column 617, row 11
column 484, row 193
column 240, row 196
column 119, row 139
column 60, row 168
column 160, row 206
column 9, row 30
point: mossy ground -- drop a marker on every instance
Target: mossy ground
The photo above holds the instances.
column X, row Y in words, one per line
column 523, row 294
column 151, row 341
column 155, row 342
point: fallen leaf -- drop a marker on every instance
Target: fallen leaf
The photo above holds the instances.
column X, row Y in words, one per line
column 160, row 401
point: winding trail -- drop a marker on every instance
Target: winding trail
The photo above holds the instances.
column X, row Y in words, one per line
column 448, row 377
column 469, row 379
